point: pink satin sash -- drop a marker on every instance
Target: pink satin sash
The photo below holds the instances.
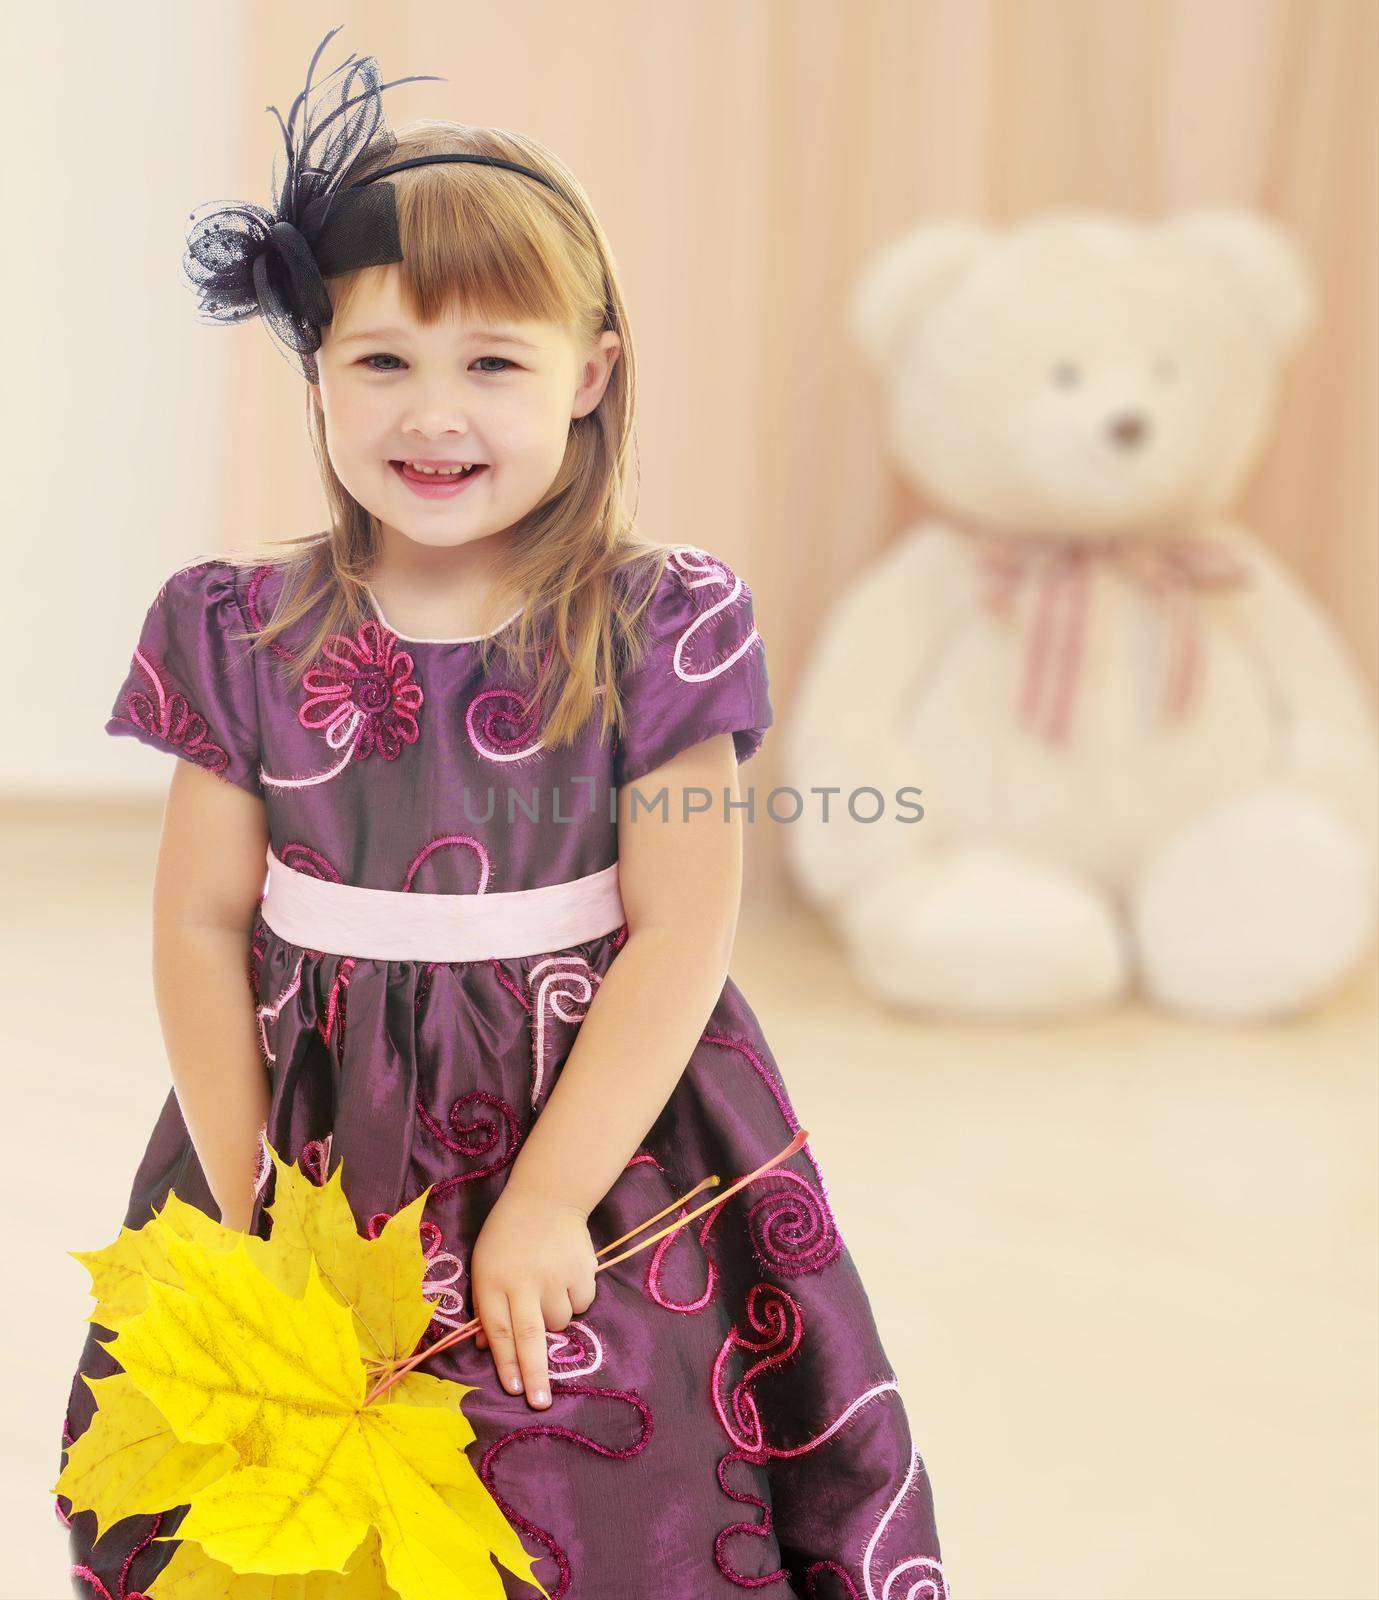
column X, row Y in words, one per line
column 403, row 925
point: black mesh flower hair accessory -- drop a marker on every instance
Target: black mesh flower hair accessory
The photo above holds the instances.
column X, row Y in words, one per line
column 246, row 261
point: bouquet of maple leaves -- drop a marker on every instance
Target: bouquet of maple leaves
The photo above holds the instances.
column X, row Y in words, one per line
column 273, row 1384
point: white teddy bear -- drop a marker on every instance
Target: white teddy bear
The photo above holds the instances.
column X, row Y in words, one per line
column 1142, row 752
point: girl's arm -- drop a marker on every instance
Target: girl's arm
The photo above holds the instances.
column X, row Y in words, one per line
column 208, row 882
column 681, row 881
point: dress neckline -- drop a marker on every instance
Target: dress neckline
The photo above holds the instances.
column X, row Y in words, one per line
column 467, row 638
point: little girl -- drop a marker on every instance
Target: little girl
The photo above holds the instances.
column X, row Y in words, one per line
column 491, row 958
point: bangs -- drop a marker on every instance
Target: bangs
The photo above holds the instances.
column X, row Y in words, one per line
column 476, row 241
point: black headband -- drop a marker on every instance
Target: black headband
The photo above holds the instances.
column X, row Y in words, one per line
column 245, row 261
column 488, row 161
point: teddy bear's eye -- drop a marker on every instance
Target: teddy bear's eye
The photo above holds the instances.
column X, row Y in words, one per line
column 1065, row 375
column 1165, row 367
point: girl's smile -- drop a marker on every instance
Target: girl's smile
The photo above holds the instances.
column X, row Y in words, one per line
column 437, row 485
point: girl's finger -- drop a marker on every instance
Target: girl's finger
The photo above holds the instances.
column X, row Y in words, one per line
column 557, row 1310
column 497, row 1321
column 529, row 1331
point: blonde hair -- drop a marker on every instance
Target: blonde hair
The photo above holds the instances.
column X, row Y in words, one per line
column 501, row 245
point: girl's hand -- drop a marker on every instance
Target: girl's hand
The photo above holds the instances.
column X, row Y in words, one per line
column 532, row 1268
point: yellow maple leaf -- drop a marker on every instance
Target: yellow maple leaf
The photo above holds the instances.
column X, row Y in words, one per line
column 376, row 1278
column 129, row 1462
column 246, row 1367
column 192, row 1575
column 121, row 1272
column 371, row 1276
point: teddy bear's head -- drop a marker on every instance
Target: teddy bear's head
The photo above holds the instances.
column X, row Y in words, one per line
column 1082, row 374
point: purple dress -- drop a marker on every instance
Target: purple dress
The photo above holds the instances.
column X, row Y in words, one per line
column 727, row 1387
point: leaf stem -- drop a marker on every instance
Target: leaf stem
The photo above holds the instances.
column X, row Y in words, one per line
column 396, row 1371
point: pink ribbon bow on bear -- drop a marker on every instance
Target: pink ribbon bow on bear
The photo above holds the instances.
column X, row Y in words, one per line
column 1173, row 572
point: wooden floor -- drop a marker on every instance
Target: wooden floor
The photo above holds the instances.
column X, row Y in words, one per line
column 1125, row 1269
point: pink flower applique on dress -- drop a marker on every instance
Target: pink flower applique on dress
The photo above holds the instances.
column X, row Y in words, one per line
column 366, row 701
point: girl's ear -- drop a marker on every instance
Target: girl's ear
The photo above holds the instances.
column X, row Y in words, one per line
column 597, row 370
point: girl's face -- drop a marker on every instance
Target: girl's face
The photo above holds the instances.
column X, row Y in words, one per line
column 502, row 396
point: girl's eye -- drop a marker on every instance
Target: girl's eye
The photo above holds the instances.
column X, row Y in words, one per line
column 367, row 361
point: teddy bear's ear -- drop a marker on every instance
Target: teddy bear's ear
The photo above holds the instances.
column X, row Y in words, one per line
column 904, row 279
column 1260, row 261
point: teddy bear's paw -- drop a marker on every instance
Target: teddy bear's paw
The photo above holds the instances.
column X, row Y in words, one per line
column 985, row 931
column 1257, row 908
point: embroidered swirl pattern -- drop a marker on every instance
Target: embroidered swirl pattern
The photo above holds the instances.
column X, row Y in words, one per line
column 168, row 715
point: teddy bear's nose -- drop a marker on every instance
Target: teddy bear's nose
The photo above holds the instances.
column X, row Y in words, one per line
column 1129, row 429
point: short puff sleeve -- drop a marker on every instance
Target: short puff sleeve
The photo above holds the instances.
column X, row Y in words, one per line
column 702, row 670
column 190, row 687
